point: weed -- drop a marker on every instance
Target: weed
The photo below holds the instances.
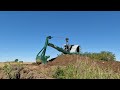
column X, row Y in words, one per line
column 12, row 71
column 83, row 70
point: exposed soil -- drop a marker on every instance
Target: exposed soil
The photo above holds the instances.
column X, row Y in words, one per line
column 66, row 59
column 71, row 59
column 34, row 71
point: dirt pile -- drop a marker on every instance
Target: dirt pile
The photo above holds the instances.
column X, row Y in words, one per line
column 114, row 65
column 34, row 71
column 67, row 59
column 64, row 60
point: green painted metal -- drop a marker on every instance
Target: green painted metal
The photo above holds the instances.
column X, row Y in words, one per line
column 41, row 58
column 58, row 48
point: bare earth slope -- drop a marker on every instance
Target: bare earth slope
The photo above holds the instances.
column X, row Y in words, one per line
column 34, row 71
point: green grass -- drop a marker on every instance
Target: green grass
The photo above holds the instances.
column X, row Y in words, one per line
column 83, row 70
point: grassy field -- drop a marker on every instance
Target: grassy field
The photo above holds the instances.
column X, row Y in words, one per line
column 63, row 67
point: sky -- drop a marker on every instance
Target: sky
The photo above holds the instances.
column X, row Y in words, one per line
column 23, row 33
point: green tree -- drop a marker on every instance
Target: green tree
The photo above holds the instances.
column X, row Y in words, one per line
column 16, row 60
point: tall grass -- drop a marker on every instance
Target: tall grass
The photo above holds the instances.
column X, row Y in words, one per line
column 85, row 70
column 13, row 71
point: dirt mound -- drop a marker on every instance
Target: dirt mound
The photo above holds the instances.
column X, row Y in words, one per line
column 66, row 59
column 34, row 71
column 114, row 65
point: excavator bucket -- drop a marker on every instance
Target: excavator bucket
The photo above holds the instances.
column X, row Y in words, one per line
column 38, row 60
column 41, row 59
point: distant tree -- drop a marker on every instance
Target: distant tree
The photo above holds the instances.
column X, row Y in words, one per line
column 21, row 61
column 16, row 60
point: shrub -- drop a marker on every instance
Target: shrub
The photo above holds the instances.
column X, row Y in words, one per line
column 13, row 71
column 59, row 73
column 16, row 60
column 103, row 55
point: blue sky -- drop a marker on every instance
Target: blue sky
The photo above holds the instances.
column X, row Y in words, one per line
column 23, row 33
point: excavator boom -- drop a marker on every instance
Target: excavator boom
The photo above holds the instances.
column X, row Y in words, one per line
column 41, row 58
column 58, row 48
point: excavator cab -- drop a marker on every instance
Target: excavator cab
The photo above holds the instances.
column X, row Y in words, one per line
column 72, row 48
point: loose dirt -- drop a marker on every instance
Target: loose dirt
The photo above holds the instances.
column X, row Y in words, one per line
column 34, row 71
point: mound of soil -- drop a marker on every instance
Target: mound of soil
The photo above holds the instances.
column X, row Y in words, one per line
column 66, row 59
column 34, row 71
column 114, row 65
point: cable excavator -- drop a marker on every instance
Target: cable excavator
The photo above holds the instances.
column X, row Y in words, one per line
column 67, row 49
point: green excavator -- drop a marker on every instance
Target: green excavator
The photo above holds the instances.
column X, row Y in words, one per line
column 68, row 49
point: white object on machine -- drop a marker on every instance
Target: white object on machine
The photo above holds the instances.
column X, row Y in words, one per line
column 74, row 48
